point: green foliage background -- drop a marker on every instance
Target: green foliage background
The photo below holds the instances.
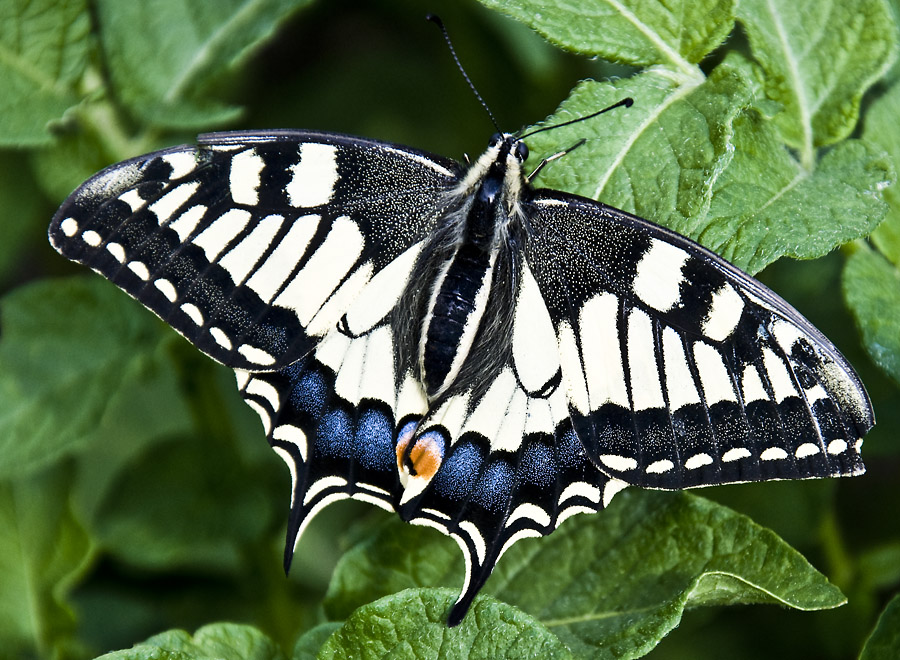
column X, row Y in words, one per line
column 138, row 499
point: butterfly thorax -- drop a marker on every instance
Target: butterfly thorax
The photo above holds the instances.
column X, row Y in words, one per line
column 458, row 312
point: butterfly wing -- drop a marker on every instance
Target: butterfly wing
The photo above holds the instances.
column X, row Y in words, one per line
column 281, row 255
column 681, row 370
column 253, row 245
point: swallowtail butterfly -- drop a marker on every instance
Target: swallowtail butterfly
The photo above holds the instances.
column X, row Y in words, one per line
column 446, row 342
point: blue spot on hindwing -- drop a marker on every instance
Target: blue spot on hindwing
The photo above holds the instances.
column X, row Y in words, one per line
column 495, row 487
column 569, row 450
column 459, row 473
column 334, row 435
column 309, row 392
column 373, row 440
column 537, row 465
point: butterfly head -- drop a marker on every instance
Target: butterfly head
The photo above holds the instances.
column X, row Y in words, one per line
column 499, row 168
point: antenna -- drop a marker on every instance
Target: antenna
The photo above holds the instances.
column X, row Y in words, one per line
column 626, row 102
column 437, row 21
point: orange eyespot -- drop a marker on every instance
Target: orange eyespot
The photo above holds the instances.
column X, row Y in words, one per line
column 401, row 452
column 423, row 459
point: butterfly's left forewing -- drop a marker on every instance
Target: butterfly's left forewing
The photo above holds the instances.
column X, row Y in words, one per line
column 681, row 370
column 253, row 245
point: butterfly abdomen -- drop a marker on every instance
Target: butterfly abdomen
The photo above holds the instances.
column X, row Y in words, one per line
column 457, row 307
column 462, row 289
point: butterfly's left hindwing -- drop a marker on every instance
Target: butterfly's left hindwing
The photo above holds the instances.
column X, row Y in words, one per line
column 681, row 370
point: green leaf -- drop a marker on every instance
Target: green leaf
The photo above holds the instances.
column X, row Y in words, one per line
column 884, row 642
column 819, row 58
column 882, row 129
column 611, row 586
column 185, row 47
column 43, row 550
column 676, row 34
column 143, row 519
column 872, row 291
column 59, row 382
column 43, row 53
column 217, row 641
column 491, row 630
column 765, row 205
column 702, row 161
column 655, row 159
column 397, row 557
column 307, row 647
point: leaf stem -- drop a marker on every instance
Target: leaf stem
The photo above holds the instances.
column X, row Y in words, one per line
column 99, row 114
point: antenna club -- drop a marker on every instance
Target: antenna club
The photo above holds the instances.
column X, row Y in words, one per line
column 626, row 102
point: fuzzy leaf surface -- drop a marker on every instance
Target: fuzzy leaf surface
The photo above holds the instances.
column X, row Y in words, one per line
column 819, row 58
column 216, row 641
column 610, row 586
column 675, row 34
column 491, row 630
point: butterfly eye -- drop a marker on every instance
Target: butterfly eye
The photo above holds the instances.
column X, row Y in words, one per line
column 496, row 139
column 521, row 151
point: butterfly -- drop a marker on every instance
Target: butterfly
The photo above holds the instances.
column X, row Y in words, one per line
column 452, row 344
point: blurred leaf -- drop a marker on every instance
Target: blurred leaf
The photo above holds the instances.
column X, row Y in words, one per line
column 884, row 643
column 881, row 128
column 76, row 155
column 43, row 550
column 880, row 567
column 819, row 58
column 491, row 630
column 165, row 512
column 43, row 52
column 217, row 641
column 612, row 586
column 872, row 291
column 59, row 379
column 311, row 641
column 676, row 34
column 20, row 206
column 185, row 46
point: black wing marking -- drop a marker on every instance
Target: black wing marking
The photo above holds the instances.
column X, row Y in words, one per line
column 252, row 245
column 680, row 369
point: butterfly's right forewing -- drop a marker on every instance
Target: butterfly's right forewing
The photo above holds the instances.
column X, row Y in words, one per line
column 681, row 370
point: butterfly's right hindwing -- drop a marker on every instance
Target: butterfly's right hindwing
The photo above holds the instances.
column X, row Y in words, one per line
column 253, row 245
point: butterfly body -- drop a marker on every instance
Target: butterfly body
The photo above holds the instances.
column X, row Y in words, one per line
column 453, row 345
